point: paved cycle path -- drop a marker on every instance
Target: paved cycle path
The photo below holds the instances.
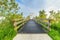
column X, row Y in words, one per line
column 32, row 27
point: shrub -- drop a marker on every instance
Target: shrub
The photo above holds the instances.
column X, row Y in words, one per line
column 7, row 30
column 56, row 26
column 54, row 34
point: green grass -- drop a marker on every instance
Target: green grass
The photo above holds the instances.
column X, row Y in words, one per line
column 56, row 26
column 7, row 31
column 55, row 31
column 55, row 35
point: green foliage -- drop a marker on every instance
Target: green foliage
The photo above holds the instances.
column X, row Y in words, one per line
column 42, row 14
column 55, row 31
column 56, row 26
column 54, row 15
column 7, row 6
column 54, row 34
column 12, row 16
column 7, row 30
column 28, row 17
column 8, row 9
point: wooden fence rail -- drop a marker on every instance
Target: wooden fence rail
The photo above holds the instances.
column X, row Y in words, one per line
column 19, row 23
column 44, row 22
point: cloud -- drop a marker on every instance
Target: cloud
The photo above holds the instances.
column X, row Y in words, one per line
column 34, row 6
column 52, row 5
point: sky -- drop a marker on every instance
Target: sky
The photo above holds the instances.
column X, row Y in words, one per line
column 32, row 7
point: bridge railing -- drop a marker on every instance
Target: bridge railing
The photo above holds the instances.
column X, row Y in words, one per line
column 18, row 23
column 44, row 22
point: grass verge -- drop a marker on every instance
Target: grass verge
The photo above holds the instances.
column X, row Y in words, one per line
column 7, row 31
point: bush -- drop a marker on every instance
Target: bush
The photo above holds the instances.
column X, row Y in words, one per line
column 7, row 30
column 54, row 34
column 56, row 26
column 55, row 31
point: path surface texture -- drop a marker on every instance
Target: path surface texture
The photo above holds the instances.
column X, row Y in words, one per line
column 32, row 31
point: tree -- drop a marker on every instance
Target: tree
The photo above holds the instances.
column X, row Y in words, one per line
column 28, row 17
column 22, row 13
column 52, row 14
column 7, row 6
column 57, row 15
column 42, row 14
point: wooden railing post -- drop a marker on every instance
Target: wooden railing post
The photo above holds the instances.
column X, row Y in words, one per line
column 48, row 24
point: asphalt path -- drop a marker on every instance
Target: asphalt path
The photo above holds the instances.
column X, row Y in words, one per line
column 32, row 27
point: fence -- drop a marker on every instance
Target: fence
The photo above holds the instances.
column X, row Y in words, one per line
column 44, row 22
column 19, row 23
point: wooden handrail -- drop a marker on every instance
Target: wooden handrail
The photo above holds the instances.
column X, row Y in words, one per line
column 48, row 23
